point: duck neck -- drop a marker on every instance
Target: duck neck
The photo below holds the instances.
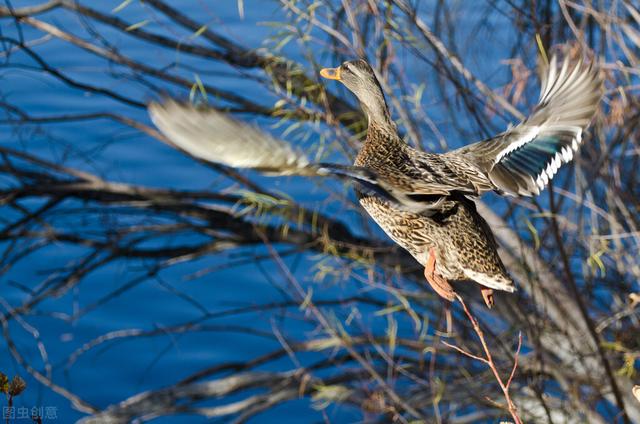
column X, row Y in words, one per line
column 373, row 103
column 380, row 126
column 378, row 116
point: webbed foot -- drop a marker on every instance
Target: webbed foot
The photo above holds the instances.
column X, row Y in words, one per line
column 439, row 284
column 487, row 295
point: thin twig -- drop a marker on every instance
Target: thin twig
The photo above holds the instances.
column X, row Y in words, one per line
column 488, row 359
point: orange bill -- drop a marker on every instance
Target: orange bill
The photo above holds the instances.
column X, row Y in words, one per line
column 331, row 73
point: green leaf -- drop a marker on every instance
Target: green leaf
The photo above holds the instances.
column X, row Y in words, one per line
column 203, row 92
column 392, row 333
column 192, row 92
column 542, row 50
column 199, row 32
column 326, row 395
column 534, row 233
column 121, row 6
column 136, row 25
column 628, row 368
column 324, row 343
column 389, row 310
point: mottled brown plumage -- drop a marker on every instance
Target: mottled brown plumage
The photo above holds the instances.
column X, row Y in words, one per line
column 454, row 234
column 423, row 201
column 448, row 237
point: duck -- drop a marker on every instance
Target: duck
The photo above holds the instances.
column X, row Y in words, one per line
column 424, row 202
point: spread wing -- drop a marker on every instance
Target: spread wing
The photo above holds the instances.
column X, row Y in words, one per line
column 523, row 159
column 213, row 136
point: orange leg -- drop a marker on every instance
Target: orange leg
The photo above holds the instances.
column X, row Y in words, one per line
column 437, row 282
column 487, row 295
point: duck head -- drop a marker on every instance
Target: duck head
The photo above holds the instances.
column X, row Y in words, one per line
column 360, row 79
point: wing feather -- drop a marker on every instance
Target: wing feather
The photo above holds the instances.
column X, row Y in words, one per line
column 213, row 136
column 523, row 159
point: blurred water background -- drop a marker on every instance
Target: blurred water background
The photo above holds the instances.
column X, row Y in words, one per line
column 113, row 371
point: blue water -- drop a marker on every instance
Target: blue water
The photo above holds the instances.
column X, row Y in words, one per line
column 113, row 371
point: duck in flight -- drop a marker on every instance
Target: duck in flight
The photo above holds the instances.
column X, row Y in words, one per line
column 423, row 201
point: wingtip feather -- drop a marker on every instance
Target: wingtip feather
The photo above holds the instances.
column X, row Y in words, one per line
column 213, row 136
